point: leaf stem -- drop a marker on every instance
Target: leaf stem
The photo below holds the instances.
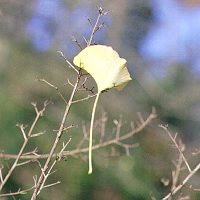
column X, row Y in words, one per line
column 91, row 131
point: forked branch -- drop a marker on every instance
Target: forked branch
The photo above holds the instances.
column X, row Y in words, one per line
column 116, row 141
column 26, row 137
column 175, row 175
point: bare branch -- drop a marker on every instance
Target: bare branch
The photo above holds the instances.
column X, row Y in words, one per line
column 70, row 127
column 17, row 192
column 39, row 113
column 193, row 188
column 77, row 42
column 24, row 163
column 177, row 146
column 68, row 62
column 175, row 174
column 85, row 137
column 22, row 129
column 114, row 140
column 69, row 82
column 140, row 117
column 46, row 168
column 79, row 150
column 188, row 177
column 118, row 124
column 46, row 173
column 196, row 152
column 96, row 27
column 85, row 40
column 127, row 147
column 104, row 118
column 83, row 99
column 53, row 86
column 90, row 22
column 20, row 192
column 52, row 184
column 1, row 175
column 38, row 134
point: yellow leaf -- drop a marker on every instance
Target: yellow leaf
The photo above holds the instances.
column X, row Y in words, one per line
column 104, row 65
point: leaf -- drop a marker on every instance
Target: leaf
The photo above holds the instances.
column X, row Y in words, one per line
column 104, row 65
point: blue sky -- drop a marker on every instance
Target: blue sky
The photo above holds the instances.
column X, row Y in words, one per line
column 53, row 24
column 174, row 36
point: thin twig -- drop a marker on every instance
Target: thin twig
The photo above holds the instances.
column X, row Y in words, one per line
column 24, row 163
column 49, row 171
column 67, row 61
column 42, row 178
column 38, row 134
column 17, row 192
column 52, row 184
column 77, row 42
column 26, row 138
column 188, row 177
column 1, row 175
column 177, row 146
column 95, row 26
column 134, row 130
column 176, row 173
column 83, row 99
column 195, row 189
column 53, row 86
column 103, row 126
column 196, row 152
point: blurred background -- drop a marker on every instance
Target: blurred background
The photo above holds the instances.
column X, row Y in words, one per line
column 161, row 42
